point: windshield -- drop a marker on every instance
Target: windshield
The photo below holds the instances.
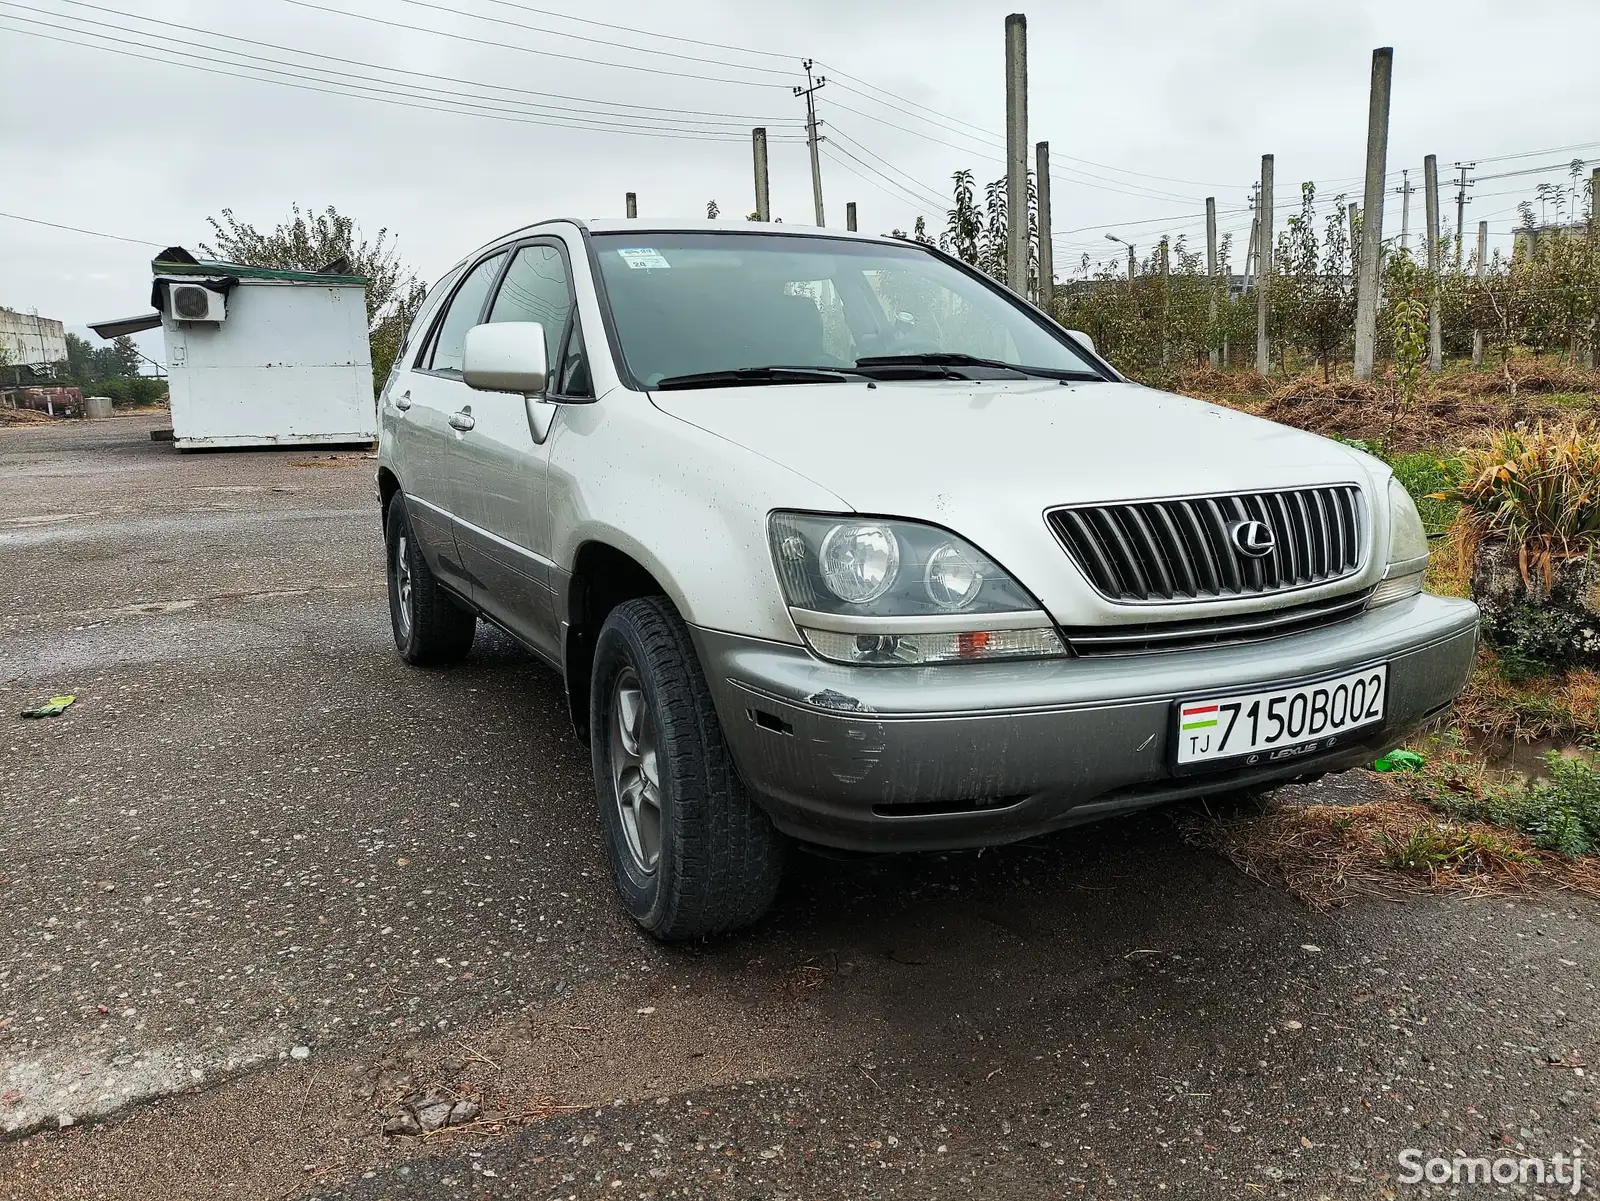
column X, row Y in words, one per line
column 692, row 304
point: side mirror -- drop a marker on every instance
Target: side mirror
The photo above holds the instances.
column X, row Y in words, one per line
column 1082, row 337
column 507, row 356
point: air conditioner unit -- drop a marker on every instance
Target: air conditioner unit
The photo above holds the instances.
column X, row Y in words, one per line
column 195, row 302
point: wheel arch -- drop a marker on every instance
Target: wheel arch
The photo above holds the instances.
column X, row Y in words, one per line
column 603, row 576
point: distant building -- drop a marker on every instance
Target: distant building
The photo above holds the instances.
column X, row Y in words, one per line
column 29, row 340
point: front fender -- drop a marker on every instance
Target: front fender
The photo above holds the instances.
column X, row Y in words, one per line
column 686, row 504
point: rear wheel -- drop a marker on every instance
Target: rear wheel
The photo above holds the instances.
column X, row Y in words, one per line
column 692, row 853
column 430, row 628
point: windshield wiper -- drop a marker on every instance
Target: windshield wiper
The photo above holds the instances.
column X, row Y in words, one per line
column 733, row 377
column 954, row 359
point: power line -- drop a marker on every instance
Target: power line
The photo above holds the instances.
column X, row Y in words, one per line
column 457, row 108
column 671, row 37
column 93, row 233
column 591, row 62
column 644, row 108
column 344, row 79
column 653, row 51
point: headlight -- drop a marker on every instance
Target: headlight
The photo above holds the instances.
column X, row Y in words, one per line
column 874, row 591
column 1408, row 549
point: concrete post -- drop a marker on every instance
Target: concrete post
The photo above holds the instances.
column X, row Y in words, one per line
column 1483, row 266
column 1430, row 199
column 850, row 215
column 1372, row 213
column 758, row 148
column 631, row 201
column 1047, row 258
column 1250, row 254
column 1017, row 153
column 1166, row 299
column 1264, row 268
column 1211, row 278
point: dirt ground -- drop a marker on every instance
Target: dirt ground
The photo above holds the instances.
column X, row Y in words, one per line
column 264, row 891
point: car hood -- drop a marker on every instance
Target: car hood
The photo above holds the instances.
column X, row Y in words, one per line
column 987, row 459
column 930, row 449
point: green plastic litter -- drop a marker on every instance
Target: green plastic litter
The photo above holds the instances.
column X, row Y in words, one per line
column 1400, row 760
column 50, row 708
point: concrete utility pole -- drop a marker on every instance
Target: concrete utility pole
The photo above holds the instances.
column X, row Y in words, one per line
column 810, row 93
column 1430, row 199
column 1017, row 153
column 758, row 148
column 1129, row 245
column 1047, row 257
column 1372, row 213
column 1483, row 258
column 631, row 203
column 1461, row 209
column 850, row 216
column 1264, row 268
column 1404, row 192
column 1211, row 274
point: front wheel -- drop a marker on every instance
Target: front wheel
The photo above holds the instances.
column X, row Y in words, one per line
column 692, row 853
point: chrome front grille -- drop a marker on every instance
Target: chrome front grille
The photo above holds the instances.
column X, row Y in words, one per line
column 1180, row 550
column 1152, row 637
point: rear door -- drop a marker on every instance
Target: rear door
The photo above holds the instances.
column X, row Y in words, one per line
column 432, row 398
column 504, row 524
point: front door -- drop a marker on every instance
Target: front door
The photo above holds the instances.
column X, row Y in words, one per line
column 429, row 398
column 504, row 523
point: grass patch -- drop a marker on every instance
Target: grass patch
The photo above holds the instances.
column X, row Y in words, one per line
column 1510, row 700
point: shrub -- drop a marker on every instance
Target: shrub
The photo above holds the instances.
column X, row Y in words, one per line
column 1539, row 489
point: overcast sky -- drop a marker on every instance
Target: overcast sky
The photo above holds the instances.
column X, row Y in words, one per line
column 1149, row 106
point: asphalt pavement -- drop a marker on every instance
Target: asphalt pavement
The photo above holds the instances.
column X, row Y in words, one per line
column 265, row 890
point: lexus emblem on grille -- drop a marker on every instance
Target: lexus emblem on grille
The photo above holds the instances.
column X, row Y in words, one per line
column 1252, row 538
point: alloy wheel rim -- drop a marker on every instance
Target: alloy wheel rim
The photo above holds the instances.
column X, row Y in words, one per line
column 402, row 578
column 635, row 771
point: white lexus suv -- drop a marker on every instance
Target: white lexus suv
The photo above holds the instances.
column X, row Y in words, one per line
column 834, row 539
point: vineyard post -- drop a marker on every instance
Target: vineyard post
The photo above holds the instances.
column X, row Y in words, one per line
column 631, row 204
column 1264, row 268
column 1430, row 184
column 1047, row 258
column 850, row 215
column 1372, row 213
column 1166, row 299
column 1211, row 278
column 1250, row 253
column 1483, row 257
column 1017, row 153
column 758, row 147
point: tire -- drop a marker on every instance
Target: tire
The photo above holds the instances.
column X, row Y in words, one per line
column 430, row 628
column 714, row 861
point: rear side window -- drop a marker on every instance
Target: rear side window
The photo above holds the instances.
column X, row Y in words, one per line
column 465, row 307
column 536, row 289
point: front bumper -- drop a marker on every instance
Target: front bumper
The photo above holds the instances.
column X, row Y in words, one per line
column 962, row 755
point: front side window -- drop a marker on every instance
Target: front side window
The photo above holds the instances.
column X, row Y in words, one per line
column 462, row 315
column 536, row 289
column 688, row 304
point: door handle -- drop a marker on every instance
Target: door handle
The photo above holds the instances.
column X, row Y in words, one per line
column 403, row 401
column 461, row 421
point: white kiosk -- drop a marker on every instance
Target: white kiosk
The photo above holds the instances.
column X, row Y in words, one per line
column 258, row 356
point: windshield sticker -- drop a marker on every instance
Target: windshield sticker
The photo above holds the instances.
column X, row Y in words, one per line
column 643, row 259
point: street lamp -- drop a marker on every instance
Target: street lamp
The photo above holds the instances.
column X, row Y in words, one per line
column 1129, row 245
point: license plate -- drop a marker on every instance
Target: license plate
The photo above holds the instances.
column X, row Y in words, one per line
column 1277, row 724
